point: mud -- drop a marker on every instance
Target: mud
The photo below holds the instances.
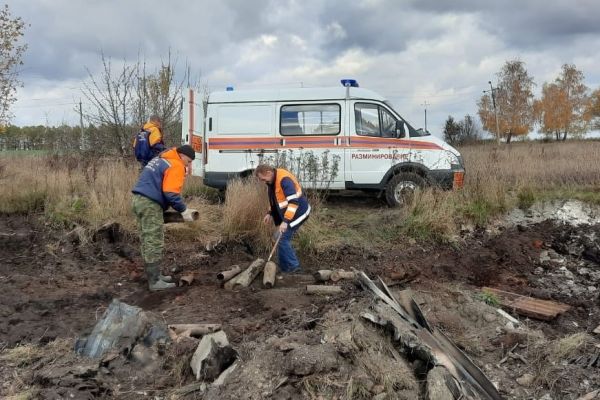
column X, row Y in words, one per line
column 54, row 287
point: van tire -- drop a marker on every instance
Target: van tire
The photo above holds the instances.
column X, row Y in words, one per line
column 401, row 187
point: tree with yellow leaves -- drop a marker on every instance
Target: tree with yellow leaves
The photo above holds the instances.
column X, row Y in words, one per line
column 564, row 108
column 514, row 103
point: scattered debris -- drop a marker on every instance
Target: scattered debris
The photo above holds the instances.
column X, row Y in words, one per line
column 439, row 382
column 306, row 359
column 323, row 289
column 507, row 316
column 544, row 310
column 525, row 380
column 269, row 274
column 170, row 217
column 325, row 275
column 192, row 330
column 119, row 328
column 597, row 330
column 225, row 374
column 245, row 278
column 186, row 280
column 322, row 275
column 213, row 355
column 403, row 277
column 591, row 395
column 211, row 245
column 427, row 343
column 226, row 275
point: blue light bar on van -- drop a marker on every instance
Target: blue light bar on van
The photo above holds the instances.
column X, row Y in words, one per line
column 229, row 88
column 349, row 82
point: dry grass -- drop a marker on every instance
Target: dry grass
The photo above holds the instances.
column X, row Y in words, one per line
column 551, row 357
column 17, row 361
column 245, row 206
column 71, row 190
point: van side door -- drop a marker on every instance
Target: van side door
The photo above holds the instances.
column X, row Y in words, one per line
column 310, row 134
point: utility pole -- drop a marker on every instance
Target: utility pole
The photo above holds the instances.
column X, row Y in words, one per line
column 493, row 93
column 82, row 144
column 425, row 104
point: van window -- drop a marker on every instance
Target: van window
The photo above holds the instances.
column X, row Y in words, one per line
column 374, row 120
column 388, row 124
column 310, row 119
column 244, row 119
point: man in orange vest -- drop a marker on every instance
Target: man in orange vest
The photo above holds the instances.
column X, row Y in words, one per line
column 289, row 210
column 158, row 188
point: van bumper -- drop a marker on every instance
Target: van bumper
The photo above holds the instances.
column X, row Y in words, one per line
column 218, row 180
column 447, row 179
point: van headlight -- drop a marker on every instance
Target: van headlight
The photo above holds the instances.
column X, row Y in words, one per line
column 457, row 163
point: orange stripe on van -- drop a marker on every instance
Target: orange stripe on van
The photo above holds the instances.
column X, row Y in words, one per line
column 249, row 143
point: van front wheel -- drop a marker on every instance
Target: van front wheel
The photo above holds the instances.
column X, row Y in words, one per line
column 401, row 188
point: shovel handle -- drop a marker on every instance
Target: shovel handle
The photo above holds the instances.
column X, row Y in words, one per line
column 274, row 247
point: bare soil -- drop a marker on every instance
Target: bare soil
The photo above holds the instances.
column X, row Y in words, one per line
column 53, row 289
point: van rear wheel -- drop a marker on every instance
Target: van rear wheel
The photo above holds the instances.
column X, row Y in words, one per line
column 401, row 188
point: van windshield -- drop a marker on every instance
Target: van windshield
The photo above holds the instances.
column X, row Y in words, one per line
column 411, row 131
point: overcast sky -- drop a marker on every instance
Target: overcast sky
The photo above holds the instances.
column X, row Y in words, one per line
column 439, row 52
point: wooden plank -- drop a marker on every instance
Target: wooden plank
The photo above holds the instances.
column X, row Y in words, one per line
column 528, row 306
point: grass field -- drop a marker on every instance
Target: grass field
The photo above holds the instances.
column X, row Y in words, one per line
column 70, row 190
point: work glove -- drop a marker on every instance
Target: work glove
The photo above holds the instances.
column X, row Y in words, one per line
column 188, row 214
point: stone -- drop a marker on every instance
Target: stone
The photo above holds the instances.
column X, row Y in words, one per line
column 213, row 355
column 309, row 359
column 489, row 317
column 118, row 329
column 225, row 374
column 538, row 271
column 544, row 257
column 525, row 380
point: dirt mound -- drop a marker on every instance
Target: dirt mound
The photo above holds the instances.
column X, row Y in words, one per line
column 53, row 288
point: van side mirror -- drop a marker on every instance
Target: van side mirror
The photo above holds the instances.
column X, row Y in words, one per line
column 400, row 129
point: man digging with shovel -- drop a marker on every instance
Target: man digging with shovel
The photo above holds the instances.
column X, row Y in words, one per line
column 289, row 210
column 158, row 187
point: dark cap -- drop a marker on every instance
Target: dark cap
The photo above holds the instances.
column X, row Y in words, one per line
column 187, row 150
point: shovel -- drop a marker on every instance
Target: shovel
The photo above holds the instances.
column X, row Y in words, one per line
column 270, row 268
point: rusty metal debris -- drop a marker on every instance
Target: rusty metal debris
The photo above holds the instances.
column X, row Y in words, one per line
column 544, row 310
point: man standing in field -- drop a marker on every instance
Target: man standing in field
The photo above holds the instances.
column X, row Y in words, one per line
column 158, row 187
column 289, row 210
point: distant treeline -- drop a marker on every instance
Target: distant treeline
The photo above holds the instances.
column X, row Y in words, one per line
column 63, row 138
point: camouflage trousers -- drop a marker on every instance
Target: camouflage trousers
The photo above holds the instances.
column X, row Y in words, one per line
column 149, row 215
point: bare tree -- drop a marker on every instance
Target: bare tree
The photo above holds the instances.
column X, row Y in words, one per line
column 111, row 96
column 160, row 94
column 11, row 56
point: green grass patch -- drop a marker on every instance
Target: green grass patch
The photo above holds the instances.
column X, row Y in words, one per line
column 525, row 198
column 23, row 202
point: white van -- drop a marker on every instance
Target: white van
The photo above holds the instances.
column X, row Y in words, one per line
column 350, row 137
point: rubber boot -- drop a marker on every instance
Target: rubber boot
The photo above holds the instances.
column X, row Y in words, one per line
column 154, row 283
column 166, row 278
